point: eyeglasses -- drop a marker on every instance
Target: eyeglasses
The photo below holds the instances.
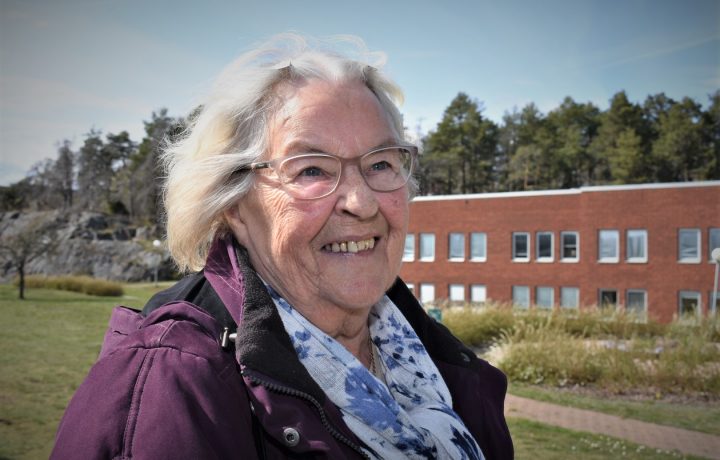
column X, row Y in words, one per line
column 310, row 176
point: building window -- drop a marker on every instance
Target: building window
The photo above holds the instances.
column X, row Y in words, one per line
column 608, row 298
column 457, row 293
column 427, row 247
column 636, row 301
column 544, row 246
column 478, row 293
column 456, row 245
column 637, row 243
column 713, row 241
column 570, row 250
column 689, row 245
column 521, row 247
column 427, row 293
column 569, row 297
column 521, row 296
column 478, row 247
column 544, row 296
column 608, row 246
column 411, row 286
column 409, row 253
column 689, row 303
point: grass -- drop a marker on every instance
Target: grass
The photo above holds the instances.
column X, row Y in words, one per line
column 537, row 440
column 697, row 416
column 47, row 344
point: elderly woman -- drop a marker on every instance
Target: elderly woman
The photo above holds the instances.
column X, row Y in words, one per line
column 289, row 193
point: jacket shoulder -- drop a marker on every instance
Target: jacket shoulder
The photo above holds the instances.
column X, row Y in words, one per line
column 162, row 388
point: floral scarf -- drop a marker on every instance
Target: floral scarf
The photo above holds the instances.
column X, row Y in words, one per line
column 412, row 416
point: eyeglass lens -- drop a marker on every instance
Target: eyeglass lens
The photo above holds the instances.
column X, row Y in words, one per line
column 316, row 175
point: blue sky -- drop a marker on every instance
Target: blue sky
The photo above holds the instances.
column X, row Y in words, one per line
column 68, row 66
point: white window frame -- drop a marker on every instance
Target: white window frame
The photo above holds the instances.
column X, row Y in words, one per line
column 698, row 246
column 575, row 291
column 427, row 293
column 456, row 293
column 689, row 295
column 549, row 289
column 457, row 258
column 481, row 291
column 713, row 231
column 526, row 304
column 425, row 239
column 409, row 249
column 411, row 287
column 628, row 307
column 515, row 257
column 636, row 232
column 483, row 244
column 608, row 260
column 544, row 259
column 600, row 297
column 575, row 259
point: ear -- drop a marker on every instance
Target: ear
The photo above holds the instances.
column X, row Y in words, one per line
column 233, row 217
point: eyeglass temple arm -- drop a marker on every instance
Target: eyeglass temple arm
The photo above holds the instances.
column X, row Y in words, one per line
column 254, row 166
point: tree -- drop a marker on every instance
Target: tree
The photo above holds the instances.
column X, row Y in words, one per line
column 679, row 151
column 64, row 173
column 574, row 126
column 95, row 172
column 146, row 169
column 460, row 154
column 603, row 151
column 518, row 138
column 20, row 246
column 711, row 133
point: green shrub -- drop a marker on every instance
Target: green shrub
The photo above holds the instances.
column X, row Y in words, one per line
column 478, row 327
column 84, row 284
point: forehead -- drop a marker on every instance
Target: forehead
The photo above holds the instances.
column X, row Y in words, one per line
column 341, row 117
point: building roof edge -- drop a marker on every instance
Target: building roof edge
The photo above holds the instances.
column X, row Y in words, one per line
column 570, row 191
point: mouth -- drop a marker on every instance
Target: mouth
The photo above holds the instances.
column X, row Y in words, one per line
column 351, row 247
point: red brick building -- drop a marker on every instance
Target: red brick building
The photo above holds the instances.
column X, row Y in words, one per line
column 645, row 248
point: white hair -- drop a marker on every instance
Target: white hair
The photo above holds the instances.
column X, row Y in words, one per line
column 230, row 130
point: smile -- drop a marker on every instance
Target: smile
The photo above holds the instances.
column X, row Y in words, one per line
column 350, row 246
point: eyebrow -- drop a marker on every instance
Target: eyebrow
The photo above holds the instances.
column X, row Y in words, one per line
column 299, row 147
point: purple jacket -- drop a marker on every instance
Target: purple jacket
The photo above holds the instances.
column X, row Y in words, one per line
column 163, row 387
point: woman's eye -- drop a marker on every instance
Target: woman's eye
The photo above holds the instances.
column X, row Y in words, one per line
column 312, row 171
column 380, row 166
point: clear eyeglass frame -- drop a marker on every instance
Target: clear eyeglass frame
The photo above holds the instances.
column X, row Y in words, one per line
column 408, row 160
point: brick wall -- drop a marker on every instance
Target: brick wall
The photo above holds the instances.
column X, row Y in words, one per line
column 660, row 209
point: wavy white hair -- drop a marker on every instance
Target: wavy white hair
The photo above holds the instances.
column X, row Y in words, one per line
column 231, row 129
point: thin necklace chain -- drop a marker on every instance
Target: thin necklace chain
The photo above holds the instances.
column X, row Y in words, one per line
column 372, row 357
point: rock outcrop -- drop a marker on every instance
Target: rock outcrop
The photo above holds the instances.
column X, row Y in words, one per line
column 93, row 244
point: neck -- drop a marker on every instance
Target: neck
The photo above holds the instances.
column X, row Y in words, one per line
column 349, row 328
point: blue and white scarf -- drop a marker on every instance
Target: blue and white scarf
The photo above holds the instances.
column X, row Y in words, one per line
column 412, row 416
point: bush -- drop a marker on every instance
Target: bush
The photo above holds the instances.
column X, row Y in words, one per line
column 84, row 284
column 604, row 348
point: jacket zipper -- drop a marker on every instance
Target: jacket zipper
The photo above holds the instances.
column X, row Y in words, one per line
column 323, row 418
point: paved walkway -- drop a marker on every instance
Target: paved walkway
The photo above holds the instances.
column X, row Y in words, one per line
column 647, row 434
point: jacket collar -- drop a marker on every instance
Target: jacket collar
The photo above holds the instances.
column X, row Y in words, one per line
column 263, row 345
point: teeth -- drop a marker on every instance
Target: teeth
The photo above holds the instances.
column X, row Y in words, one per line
column 352, row 247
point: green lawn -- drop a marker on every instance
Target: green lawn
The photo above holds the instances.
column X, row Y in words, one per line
column 47, row 344
column 49, row 341
column 698, row 416
column 533, row 440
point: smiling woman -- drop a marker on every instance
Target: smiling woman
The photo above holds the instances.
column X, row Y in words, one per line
column 289, row 194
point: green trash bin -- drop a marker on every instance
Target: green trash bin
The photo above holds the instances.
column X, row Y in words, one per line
column 435, row 313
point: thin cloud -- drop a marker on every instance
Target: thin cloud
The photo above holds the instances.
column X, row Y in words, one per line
column 662, row 52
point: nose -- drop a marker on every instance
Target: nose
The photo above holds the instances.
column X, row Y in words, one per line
column 354, row 196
